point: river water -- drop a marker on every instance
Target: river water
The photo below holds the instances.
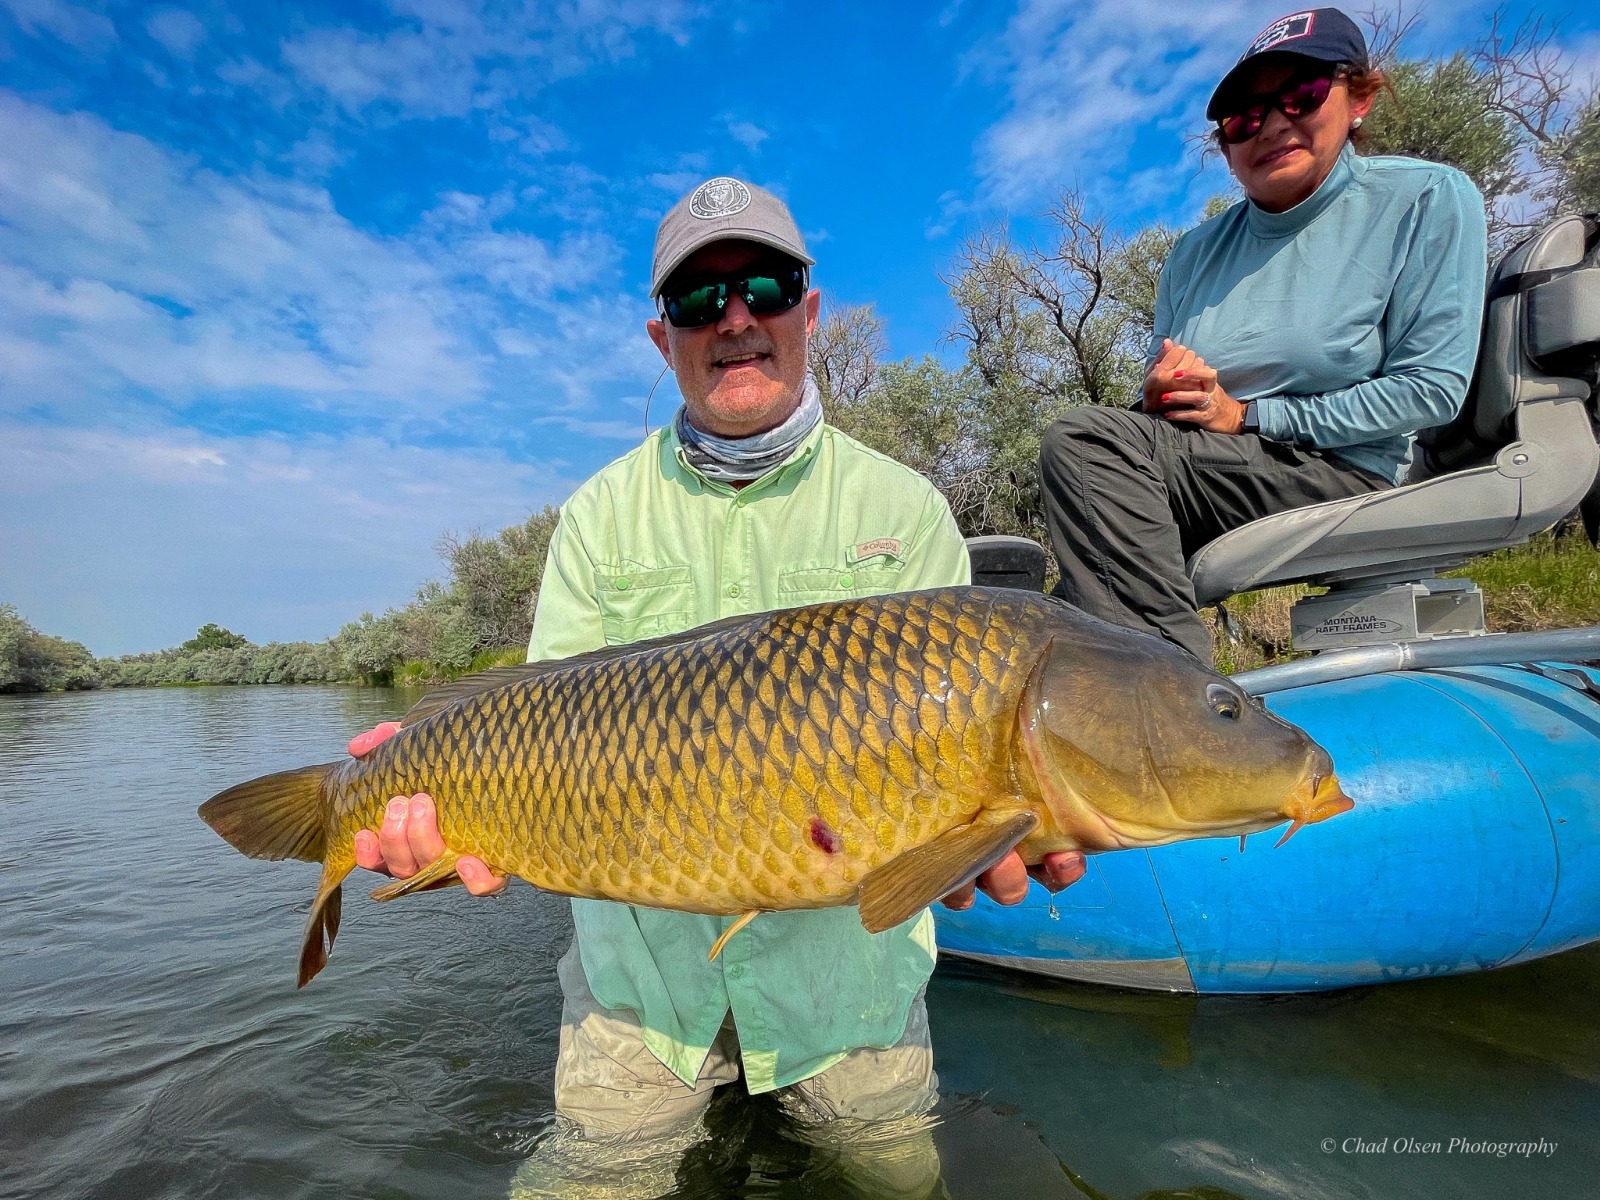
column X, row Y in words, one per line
column 152, row 1042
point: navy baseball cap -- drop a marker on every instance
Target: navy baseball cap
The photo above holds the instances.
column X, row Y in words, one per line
column 1324, row 34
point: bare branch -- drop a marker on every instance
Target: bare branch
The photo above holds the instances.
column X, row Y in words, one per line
column 1386, row 29
column 1529, row 76
column 844, row 351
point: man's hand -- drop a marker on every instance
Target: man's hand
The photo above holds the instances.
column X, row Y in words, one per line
column 1007, row 881
column 1181, row 387
column 409, row 838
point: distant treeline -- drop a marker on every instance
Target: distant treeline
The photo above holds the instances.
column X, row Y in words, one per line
column 480, row 616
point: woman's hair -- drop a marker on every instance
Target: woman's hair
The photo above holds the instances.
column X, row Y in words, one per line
column 1363, row 83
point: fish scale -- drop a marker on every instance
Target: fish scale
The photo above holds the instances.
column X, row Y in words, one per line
column 869, row 751
column 747, row 734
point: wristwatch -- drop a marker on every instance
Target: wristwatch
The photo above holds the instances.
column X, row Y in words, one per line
column 1252, row 420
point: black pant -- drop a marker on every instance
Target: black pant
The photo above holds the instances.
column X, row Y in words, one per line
column 1128, row 497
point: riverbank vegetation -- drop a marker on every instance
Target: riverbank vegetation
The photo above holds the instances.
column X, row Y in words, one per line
column 1040, row 325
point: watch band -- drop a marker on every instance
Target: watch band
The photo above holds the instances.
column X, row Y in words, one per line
column 1252, row 419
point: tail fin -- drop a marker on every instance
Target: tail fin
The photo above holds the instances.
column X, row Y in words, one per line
column 323, row 925
column 286, row 816
column 276, row 816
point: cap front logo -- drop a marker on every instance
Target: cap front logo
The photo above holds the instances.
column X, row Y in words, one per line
column 1284, row 29
column 720, row 197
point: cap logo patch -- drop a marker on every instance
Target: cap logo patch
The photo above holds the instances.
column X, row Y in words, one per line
column 720, row 197
column 1284, row 29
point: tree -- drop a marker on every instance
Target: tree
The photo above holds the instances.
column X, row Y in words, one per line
column 31, row 661
column 1573, row 159
column 495, row 585
column 844, row 352
column 213, row 637
column 1448, row 111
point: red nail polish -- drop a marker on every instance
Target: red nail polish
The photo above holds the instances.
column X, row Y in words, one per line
column 1177, row 374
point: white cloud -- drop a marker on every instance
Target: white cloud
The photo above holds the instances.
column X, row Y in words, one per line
column 1085, row 77
column 276, row 540
column 74, row 25
column 444, row 58
column 177, row 29
column 748, row 135
column 127, row 268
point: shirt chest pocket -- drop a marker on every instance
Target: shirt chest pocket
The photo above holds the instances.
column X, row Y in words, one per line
column 816, row 585
column 636, row 603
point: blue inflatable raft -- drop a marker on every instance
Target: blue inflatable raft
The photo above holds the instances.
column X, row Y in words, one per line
column 1475, row 843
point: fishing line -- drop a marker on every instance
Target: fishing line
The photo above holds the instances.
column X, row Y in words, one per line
column 648, row 398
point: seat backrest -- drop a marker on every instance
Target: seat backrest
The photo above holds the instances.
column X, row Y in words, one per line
column 1541, row 319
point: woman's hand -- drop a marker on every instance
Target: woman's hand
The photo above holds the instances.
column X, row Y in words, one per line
column 1181, row 387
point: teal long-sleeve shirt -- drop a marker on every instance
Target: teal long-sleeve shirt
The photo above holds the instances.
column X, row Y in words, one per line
column 1352, row 319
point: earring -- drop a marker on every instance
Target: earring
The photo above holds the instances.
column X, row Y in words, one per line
column 1356, row 124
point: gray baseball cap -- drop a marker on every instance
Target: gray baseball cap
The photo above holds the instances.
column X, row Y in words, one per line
column 718, row 210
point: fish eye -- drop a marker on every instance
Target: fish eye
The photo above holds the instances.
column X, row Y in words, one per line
column 1223, row 702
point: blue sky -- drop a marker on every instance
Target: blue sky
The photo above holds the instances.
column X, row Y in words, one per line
column 288, row 290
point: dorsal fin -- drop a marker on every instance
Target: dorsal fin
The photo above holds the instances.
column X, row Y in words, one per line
column 442, row 698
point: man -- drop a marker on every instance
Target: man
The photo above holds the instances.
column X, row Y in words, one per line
column 747, row 502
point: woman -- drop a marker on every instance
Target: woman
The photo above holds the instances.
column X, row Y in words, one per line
column 1302, row 337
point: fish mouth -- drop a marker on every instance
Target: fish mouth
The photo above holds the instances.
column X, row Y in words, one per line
column 1321, row 798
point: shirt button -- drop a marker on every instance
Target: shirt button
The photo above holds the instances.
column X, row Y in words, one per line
column 847, row 580
column 621, row 584
column 733, row 590
column 736, row 971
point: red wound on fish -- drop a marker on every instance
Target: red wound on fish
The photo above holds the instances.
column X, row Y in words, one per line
column 824, row 838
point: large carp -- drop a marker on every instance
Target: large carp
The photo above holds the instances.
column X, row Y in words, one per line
column 879, row 752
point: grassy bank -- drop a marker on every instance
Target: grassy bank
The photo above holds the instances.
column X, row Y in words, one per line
column 1549, row 583
column 415, row 673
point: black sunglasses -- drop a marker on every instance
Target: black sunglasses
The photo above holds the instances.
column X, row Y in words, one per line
column 765, row 291
column 1294, row 100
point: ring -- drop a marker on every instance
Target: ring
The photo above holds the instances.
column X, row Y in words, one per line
column 1205, row 404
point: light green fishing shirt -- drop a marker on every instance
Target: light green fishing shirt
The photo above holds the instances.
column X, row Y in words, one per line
column 650, row 546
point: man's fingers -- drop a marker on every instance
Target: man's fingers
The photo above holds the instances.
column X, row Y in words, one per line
column 1007, row 881
column 364, row 743
column 1060, row 869
column 961, row 898
column 368, row 854
column 480, row 880
column 392, row 841
column 422, row 830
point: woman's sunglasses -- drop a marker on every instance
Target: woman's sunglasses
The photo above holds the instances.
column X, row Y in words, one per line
column 1296, row 100
column 765, row 291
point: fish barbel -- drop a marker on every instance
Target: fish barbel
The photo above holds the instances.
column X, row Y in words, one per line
column 880, row 752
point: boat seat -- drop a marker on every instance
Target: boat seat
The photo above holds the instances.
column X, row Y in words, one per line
column 1519, row 457
column 1002, row 560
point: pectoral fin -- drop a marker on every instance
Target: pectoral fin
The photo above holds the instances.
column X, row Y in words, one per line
column 906, row 885
column 440, row 873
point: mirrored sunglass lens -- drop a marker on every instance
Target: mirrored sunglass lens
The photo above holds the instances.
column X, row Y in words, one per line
column 1307, row 97
column 1242, row 125
column 698, row 306
column 767, row 294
